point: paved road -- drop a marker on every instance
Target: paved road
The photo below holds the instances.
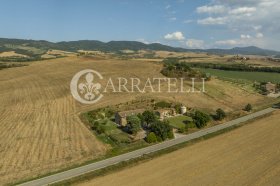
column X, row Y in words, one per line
column 134, row 154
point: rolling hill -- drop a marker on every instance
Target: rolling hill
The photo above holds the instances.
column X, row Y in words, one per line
column 38, row 47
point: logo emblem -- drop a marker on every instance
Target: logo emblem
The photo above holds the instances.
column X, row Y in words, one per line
column 83, row 86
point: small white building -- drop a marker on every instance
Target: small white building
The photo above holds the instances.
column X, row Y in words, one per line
column 183, row 109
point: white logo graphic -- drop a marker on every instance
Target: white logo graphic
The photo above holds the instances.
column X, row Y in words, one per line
column 84, row 89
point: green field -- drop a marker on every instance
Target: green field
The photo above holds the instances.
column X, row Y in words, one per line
column 249, row 76
column 179, row 121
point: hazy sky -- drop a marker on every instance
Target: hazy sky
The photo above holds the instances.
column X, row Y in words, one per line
column 184, row 23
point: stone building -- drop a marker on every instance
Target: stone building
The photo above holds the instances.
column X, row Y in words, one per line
column 120, row 117
column 164, row 113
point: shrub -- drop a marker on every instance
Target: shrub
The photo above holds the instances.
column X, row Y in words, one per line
column 100, row 129
column 151, row 138
column 191, row 124
column 220, row 114
column 170, row 135
column 99, row 126
column 201, row 119
column 109, row 113
column 177, row 108
column 140, row 116
column 133, row 124
column 101, row 115
column 159, row 139
column 182, row 129
column 248, row 107
column 95, row 125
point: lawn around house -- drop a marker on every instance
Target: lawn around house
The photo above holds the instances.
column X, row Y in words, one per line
column 179, row 121
column 111, row 133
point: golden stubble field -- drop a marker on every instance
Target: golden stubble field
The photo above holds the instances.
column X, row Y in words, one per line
column 11, row 54
column 218, row 59
column 249, row 155
column 40, row 129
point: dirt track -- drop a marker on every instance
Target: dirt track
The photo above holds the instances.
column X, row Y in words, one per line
column 249, row 155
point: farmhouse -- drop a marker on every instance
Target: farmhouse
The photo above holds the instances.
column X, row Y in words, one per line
column 120, row 117
column 164, row 113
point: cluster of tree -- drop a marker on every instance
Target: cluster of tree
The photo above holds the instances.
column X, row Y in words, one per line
column 158, row 130
column 173, row 68
column 162, row 130
column 200, row 119
column 20, row 59
column 147, row 118
column 180, row 59
column 17, row 49
column 220, row 114
column 4, row 65
column 133, row 124
column 234, row 67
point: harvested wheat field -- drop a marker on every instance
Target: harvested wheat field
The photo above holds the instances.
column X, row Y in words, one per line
column 249, row 155
column 39, row 120
column 11, row 54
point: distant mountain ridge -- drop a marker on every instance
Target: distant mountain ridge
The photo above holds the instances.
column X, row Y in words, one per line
column 113, row 46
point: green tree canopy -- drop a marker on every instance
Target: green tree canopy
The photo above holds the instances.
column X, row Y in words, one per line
column 248, row 107
column 151, row 138
column 149, row 117
column 162, row 129
column 133, row 124
column 220, row 114
column 201, row 119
